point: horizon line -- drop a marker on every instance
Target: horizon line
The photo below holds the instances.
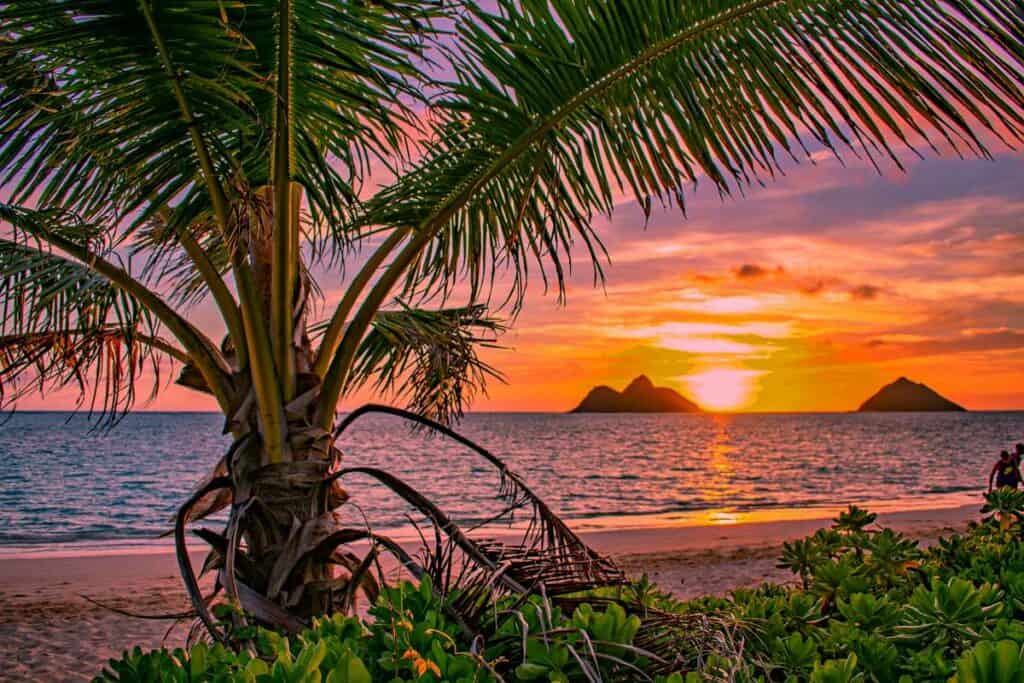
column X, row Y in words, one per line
column 562, row 412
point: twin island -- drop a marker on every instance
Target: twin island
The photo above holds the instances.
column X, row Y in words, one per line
column 641, row 396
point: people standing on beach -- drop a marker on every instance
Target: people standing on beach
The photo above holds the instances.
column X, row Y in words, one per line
column 1006, row 472
column 1019, row 455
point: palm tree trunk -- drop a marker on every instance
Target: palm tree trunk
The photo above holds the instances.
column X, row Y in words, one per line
column 277, row 476
column 275, row 558
column 281, row 512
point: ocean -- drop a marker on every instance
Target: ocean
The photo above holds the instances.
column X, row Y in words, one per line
column 65, row 484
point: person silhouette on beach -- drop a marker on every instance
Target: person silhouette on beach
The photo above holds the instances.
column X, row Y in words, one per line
column 1019, row 455
column 1006, row 472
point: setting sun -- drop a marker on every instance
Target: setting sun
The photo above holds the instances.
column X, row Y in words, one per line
column 722, row 388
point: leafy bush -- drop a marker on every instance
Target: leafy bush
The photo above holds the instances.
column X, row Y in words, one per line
column 409, row 637
column 989, row 662
column 870, row 607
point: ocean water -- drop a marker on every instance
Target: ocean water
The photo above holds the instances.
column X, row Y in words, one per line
column 63, row 483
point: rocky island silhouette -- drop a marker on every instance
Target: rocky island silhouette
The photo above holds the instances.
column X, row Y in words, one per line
column 904, row 395
column 641, row 396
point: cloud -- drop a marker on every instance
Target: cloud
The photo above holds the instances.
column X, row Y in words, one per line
column 749, row 270
column 753, row 271
column 813, row 287
column 865, row 292
column 907, row 346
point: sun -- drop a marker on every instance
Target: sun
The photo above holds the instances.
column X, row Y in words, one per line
column 722, row 388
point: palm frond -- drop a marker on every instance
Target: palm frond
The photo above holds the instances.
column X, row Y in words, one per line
column 428, row 357
column 477, row 571
column 93, row 122
column 119, row 118
column 35, row 132
column 158, row 242
column 563, row 107
column 63, row 324
column 549, row 553
column 356, row 71
column 104, row 365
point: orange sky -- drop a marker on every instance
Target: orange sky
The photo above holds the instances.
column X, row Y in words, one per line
column 805, row 295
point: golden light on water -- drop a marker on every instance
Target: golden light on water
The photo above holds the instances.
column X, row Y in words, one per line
column 723, row 388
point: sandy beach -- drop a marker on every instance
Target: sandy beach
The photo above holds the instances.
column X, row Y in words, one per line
column 48, row 631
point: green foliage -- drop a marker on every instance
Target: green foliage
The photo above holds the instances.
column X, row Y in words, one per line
column 61, row 322
column 837, row 671
column 794, row 655
column 200, row 663
column 409, row 637
column 875, row 609
column 872, row 606
column 1006, row 504
column 800, row 557
column 951, row 612
column 854, row 520
column 991, row 662
column 412, row 639
column 429, row 357
column 565, row 648
column 868, row 612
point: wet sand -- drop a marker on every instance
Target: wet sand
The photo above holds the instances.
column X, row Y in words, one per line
column 49, row 632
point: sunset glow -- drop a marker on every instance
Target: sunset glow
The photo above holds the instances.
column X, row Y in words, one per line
column 807, row 295
column 722, row 388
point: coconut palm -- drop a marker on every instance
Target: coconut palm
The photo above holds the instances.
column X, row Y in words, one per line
column 155, row 153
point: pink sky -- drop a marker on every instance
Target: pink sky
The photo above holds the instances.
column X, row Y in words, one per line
column 807, row 294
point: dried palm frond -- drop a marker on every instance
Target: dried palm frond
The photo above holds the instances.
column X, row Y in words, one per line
column 549, row 551
column 549, row 557
column 103, row 363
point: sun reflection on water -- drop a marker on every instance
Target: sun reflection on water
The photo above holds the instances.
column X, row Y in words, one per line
column 720, row 486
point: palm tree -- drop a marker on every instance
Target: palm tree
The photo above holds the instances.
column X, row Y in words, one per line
column 158, row 152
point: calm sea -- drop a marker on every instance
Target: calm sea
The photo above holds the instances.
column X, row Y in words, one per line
column 63, row 484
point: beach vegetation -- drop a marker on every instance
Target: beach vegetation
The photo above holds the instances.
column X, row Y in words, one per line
column 248, row 153
column 941, row 621
column 1005, row 504
column 407, row 636
column 885, row 609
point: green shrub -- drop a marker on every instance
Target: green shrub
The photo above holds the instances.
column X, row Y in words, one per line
column 409, row 637
column 837, row 671
column 871, row 606
column 991, row 662
column 953, row 612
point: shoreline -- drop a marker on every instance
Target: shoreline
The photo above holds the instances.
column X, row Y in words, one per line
column 584, row 526
column 53, row 633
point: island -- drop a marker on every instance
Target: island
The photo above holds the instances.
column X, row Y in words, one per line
column 904, row 395
column 641, row 396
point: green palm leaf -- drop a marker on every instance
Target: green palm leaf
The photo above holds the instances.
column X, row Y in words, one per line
column 63, row 324
column 429, row 358
column 89, row 102
column 562, row 105
column 159, row 243
column 116, row 100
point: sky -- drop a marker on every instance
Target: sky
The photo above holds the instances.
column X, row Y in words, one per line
column 807, row 294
